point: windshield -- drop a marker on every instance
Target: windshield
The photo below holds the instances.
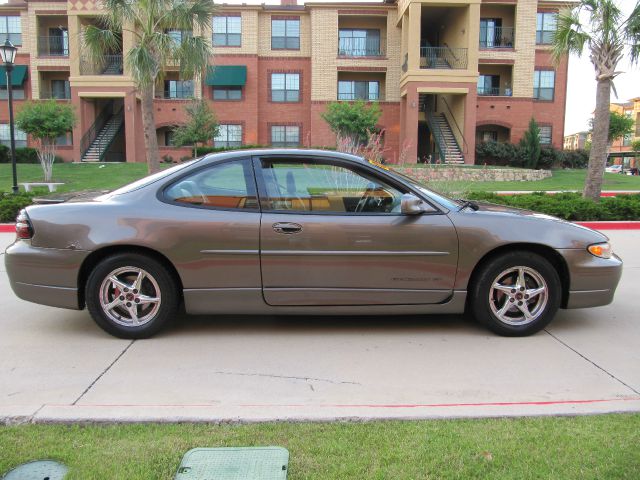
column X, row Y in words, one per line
column 443, row 200
column 152, row 178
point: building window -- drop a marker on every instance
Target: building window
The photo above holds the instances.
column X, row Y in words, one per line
column 178, row 36
column 359, row 43
column 169, row 139
column 544, row 84
column 356, row 90
column 11, row 29
column 228, row 136
column 227, row 31
column 546, row 27
column 545, row 135
column 5, row 137
column 178, row 89
column 64, row 139
column 285, row 87
column 627, row 139
column 227, row 93
column 18, row 92
column 60, row 89
column 285, row 136
column 488, row 135
column 285, row 34
column 489, row 85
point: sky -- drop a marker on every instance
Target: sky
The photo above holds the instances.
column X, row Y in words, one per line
column 581, row 85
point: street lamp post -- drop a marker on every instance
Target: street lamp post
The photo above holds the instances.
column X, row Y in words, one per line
column 8, row 53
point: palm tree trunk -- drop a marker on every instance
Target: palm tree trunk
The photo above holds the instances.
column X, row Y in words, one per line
column 599, row 142
column 149, row 126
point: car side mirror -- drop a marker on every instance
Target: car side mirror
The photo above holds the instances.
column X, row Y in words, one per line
column 412, row 205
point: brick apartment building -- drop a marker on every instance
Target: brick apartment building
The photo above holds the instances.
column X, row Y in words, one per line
column 446, row 75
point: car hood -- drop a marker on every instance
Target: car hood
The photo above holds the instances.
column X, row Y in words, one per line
column 518, row 225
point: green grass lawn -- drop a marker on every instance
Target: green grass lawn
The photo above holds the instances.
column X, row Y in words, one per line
column 587, row 447
column 114, row 175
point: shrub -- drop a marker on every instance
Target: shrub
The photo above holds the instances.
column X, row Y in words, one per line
column 11, row 204
column 499, row 153
column 27, row 155
column 574, row 158
column 569, row 206
column 5, row 154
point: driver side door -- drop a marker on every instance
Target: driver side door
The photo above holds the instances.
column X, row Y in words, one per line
column 332, row 234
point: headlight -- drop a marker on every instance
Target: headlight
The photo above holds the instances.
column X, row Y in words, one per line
column 602, row 250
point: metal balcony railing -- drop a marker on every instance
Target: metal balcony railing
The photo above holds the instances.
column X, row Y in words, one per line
column 47, row 94
column 494, row 92
column 443, row 57
column 54, row 46
column 497, row 37
column 371, row 97
column 103, row 65
column 177, row 93
column 360, row 47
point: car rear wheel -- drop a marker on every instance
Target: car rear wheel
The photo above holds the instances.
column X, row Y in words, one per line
column 131, row 295
column 516, row 294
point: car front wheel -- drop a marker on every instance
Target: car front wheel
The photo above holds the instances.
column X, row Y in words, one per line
column 516, row 294
column 131, row 296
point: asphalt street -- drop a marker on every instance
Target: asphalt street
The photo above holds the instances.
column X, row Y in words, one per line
column 57, row 365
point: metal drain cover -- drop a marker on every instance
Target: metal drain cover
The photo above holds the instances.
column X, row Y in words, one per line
column 234, row 463
column 40, row 470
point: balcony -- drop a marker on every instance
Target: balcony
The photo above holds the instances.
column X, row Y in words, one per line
column 443, row 58
column 496, row 37
column 367, row 86
column 53, row 46
column 360, row 47
column 176, row 90
column 103, row 65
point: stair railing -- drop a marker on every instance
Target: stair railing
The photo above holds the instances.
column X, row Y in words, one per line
column 93, row 132
column 440, row 143
column 465, row 147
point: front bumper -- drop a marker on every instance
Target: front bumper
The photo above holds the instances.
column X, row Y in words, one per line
column 47, row 276
column 593, row 280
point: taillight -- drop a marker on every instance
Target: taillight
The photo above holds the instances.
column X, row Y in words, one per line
column 23, row 225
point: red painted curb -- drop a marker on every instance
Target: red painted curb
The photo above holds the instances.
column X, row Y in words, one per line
column 7, row 228
column 611, row 225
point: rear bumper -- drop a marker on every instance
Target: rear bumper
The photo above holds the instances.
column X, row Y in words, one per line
column 44, row 275
column 593, row 280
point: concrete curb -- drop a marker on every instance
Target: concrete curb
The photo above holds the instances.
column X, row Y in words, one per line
column 244, row 414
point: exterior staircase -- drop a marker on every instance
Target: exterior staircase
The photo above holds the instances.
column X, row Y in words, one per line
column 450, row 150
column 98, row 139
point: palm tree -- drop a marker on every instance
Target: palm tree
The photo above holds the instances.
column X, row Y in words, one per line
column 152, row 24
column 598, row 25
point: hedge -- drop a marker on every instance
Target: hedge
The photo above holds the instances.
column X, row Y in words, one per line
column 11, row 204
column 23, row 155
column 569, row 206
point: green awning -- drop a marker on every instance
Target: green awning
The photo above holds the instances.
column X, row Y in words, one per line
column 18, row 75
column 227, row 75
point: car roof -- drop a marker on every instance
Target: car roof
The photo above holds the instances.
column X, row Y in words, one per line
column 284, row 152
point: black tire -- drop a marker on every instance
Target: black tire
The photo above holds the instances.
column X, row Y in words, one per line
column 487, row 302
column 156, row 283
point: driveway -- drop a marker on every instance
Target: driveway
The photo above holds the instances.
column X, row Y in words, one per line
column 56, row 365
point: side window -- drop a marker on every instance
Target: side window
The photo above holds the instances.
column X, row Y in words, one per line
column 228, row 185
column 323, row 187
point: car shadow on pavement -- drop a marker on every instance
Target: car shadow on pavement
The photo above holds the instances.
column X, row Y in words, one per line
column 297, row 324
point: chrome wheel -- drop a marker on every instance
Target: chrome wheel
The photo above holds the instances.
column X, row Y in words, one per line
column 130, row 296
column 518, row 295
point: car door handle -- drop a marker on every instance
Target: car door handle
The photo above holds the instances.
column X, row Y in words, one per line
column 287, row 228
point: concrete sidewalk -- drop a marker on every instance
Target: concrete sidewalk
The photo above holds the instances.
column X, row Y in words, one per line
column 56, row 365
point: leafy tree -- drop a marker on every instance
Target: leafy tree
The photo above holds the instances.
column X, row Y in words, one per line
column 45, row 121
column 635, row 145
column 153, row 48
column 530, row 145
column 619, row 126
column 605, row 34
column 353, row 121
column 201, row 127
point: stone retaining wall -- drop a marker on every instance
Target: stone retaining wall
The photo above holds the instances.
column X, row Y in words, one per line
column 474, row 174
